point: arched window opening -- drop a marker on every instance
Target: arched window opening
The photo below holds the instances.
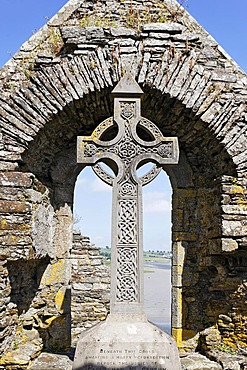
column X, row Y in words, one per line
column 157, row 251
column 92, row 214
column 92, row 207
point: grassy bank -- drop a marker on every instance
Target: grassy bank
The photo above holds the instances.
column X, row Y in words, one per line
column 148, row 256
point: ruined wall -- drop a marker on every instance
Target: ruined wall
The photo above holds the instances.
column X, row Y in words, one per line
column 35, row 307
column 209, row 265
column 90, row 286
column 58, row 87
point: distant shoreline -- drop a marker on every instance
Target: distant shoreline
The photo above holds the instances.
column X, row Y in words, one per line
column 158, row 265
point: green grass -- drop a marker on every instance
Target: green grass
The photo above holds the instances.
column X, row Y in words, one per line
column 147, row 256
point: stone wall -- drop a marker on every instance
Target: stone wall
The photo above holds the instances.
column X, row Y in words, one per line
column 209, row 273
column 34, row 285
column 90, row 286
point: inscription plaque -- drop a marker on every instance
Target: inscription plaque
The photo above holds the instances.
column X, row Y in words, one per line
column 129, row 344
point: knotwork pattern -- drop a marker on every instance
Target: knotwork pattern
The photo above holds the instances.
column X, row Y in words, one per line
column 127, row 149
column 127, row 221
column 166, row 150
column 127, row 110
column 103, row 175
column 151, row 127
column 126, row 274
column 127, row 188
column 103, row 126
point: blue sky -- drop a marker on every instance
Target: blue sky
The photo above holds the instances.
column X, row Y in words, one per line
column 225, row 20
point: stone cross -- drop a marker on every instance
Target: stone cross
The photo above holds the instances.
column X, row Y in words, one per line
column 124, row 143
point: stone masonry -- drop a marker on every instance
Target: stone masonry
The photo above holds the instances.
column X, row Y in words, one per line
column 58, row 87
column 90, row 286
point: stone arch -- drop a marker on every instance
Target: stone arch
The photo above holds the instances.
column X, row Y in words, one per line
column 58, row 87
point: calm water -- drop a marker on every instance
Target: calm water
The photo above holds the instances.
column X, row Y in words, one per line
column 166, row 326
column 158, row 265
column 157, row 294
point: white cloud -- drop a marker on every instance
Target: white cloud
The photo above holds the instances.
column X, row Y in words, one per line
column 98, row 185
column 156, row 202
column 81, row 181
column 92, row 184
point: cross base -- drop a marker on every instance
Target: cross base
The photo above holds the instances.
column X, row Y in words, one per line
column 126, row 341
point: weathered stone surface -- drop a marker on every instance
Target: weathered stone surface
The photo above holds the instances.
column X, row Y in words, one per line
column 195, row 361
column 28, row 345
column 209, row 339
column 48, row 361
column 14, row 206
column 90, row 286
column 128, row 341
column 170, row 28
column 15, row 179
column 229, row 361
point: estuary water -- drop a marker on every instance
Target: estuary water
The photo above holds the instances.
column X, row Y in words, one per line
column 157, row 294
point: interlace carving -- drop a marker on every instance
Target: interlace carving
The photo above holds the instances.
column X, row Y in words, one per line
column 127, row 110
column 103, row 126
column 150, row 175
column 90, row 149
column 127, row 149
column 103, row 175
column 127, row 189
column 127, row 274
column 151, row 127
column 127, row 221
column 166, row 150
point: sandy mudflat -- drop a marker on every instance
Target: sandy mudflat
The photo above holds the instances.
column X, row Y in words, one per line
column 157, row 295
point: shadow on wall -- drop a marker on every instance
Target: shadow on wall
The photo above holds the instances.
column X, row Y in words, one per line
column 55, row 330
column 25, row 277
column 44, row 309
column 216, row 296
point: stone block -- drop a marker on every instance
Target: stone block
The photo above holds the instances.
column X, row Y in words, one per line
column 14, row 207
column 196, row 361
column 184, row 236
column 123, row 32
column 234, row 228
column 229, row 245
column 177, row 272
column 56, row 273
column 238, row 209
column 171, row 28
column 177, row 304
column 47, row 361
column 16, row 179
column 178, row 253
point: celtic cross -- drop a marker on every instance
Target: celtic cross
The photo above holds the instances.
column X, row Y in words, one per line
column 125, row 143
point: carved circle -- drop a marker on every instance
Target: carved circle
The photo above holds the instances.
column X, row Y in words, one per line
column 127, row 188
column 127, row 149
